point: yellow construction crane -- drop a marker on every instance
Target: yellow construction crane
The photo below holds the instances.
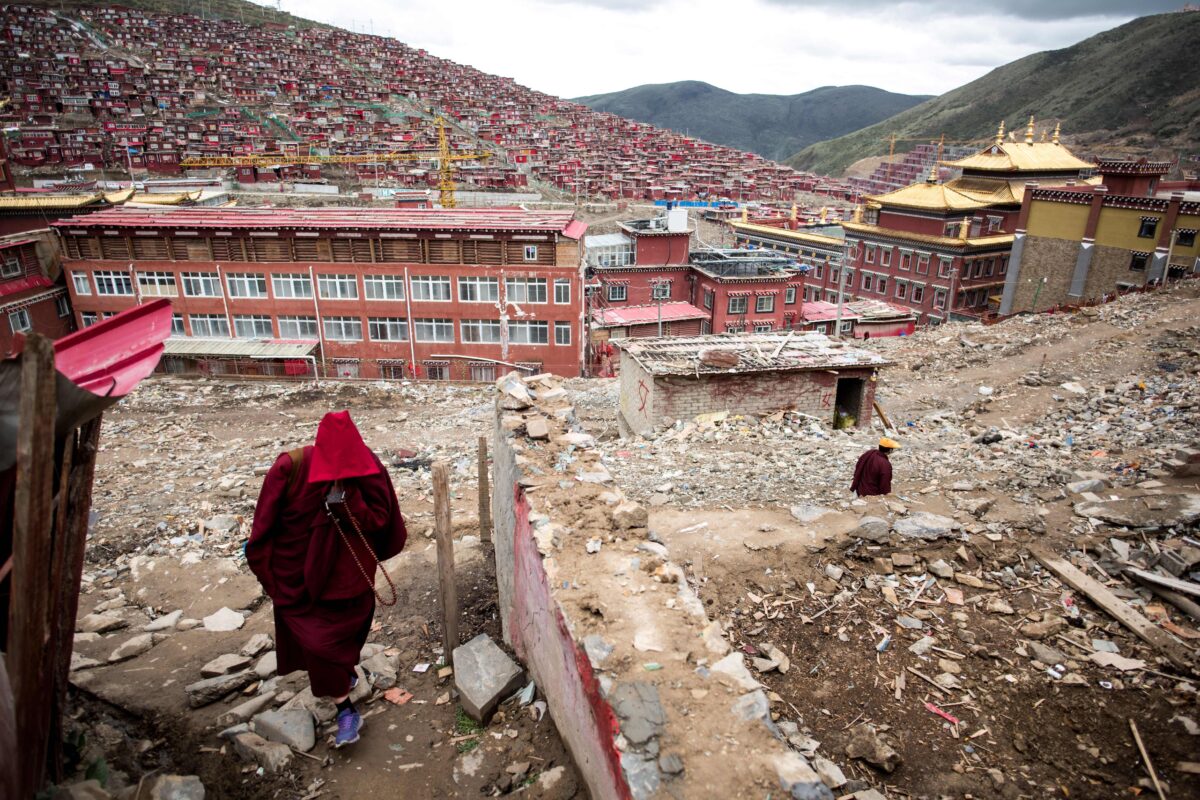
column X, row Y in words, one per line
column 443, row 155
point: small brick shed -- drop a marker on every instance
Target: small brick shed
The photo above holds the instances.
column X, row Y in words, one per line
column 673, row 377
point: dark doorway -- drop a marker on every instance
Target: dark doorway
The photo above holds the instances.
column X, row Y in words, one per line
column 847, row 403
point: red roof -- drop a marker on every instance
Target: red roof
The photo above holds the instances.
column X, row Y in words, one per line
column 821, row 311
column 641, row 315
column 24, row 284
column 110, row 357
column 409, row 219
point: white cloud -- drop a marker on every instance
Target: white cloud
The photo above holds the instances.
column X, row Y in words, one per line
column 572, row 48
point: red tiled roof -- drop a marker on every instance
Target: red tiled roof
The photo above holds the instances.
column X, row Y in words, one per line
column 475, row 219
column 822, row 311
column 640, row 315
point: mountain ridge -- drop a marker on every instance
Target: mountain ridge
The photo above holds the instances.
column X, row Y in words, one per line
column 767, row 124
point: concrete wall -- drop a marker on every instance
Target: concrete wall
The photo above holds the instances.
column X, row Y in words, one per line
column 647, row 402
column 580, row 581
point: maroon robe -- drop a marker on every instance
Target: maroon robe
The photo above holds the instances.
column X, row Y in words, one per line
column 323, row 603
column 872, row 474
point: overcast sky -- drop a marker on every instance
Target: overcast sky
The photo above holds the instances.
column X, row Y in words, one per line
column 573, row 48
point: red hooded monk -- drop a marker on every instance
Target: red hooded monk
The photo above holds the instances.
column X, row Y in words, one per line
column 326, row 515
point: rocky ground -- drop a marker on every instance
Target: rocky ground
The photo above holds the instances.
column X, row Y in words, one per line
column 915, row 646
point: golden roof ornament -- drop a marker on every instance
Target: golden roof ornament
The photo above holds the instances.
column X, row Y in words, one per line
column 1000, row 134
column 933, row 174
column 858, row 213
column 1057, row 129
column 1029, row 131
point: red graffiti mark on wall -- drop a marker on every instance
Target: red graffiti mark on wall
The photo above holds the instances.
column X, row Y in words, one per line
column 643, row 395
column 826, row 399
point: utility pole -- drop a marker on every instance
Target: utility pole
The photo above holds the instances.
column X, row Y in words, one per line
column 655, row 284
column 837, row 325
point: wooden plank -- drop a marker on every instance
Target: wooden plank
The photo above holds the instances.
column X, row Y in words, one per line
column 74, row 538
column 29, row 628
column 1175, row 651
column 8, row 736
column 485, row 500
column 1174, row 584
column 447, row 590
column 887, row 423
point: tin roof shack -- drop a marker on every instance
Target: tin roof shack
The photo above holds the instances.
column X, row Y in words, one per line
column 674, row 378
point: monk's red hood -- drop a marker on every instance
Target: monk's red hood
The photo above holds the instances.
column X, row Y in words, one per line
column 339, row 451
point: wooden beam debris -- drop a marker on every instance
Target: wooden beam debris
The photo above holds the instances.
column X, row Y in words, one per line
column 1176, row 652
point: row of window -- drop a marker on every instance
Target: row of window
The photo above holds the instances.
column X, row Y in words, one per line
column 350, row 329
column 298, row 286
column 981, row 268
column 19, row 320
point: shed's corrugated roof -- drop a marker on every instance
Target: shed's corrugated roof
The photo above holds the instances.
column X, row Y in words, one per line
column 759, row 352
column 240, row 348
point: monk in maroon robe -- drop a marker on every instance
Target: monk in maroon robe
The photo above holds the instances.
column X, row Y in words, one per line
column 319, row 570
column 873, row 472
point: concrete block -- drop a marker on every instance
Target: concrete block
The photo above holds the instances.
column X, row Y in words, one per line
column 484, row 675
column 293, row 727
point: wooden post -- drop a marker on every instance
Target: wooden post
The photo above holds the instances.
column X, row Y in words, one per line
column 72, row 539
column 29, row 624
column 485, row 500
column 447, row 590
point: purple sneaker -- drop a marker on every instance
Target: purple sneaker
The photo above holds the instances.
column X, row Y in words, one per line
column 349, row 723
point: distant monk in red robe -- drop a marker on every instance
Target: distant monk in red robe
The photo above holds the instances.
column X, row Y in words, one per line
column 873, row 472
column 326, row 516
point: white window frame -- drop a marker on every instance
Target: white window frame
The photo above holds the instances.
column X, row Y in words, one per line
column 251, row 326
column 301, row 326
column 63, row 305
column 88, row 318
column 868, row 282
column 383, row 287
column 339, row 286
column 82, row 283
column 531, row 252
column 11, row 267
column 764, row 308
column 437, row 330
column 110, row 281
column 742, row 302
column 847, row 326
column 562, row 292
column 562, row 334
column 246, row 285
column 939, row 299
column 945, row 265
column 177, row 326
column 157, row 284
column 881, row 285
column 660, row 290
column 869, row 255
column 922, row 267
column 521, row 290
column 291, row 286
column 342, row 328
column 917, row 295
column 901, row 290
column 906, row 260
column 479, row 331
column 201, row 284
column 19, row 321
column 387, row 329
column 529, row 332
column 789, row 296
column 885, row 256
column 762, row 327
column 478, row 290
column 431, row 289
column 215, row 326
column 618, row 293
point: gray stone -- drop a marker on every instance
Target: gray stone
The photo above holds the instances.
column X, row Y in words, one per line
column 1160, row 511
column 831, row 774
column 484, row 675
column 132, row 647
column 210, row 690
column 596, row 648
column 223, row 665
column 732, row 668
column 798, row 779
column 267, row 665
column 271, row 756
column 808, row 512
column 1040, row 630
column 320, row 707
column 164, row 623
column 223, row 523
column 751, row 706
column 629, row 514
column 1079, row 487
column 85, row 790
column 866, row 744
column 925, row 526
column 384, row 670
column 641, row 774
column 912, row 623
column 259, row 643
column 670, row 764
column 101, row 623
column 639, row 710
column 173, row 787
column 1045, row 654
column 226, row 619
column 536, row 428
column 79, row 662
column 293, row 727
column 873, row 529
column 941, row 569
column 244, row 711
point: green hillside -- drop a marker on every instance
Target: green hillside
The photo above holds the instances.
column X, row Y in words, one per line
column 774, row 126
column 1136, row 87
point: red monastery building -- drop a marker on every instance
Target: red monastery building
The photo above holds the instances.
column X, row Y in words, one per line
column 32, row 298
column 452, row 295
column 942, row 249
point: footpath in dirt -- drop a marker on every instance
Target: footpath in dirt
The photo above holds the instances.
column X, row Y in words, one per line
column 168, row 605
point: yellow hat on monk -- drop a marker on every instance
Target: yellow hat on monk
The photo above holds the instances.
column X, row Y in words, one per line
column 890, row 444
